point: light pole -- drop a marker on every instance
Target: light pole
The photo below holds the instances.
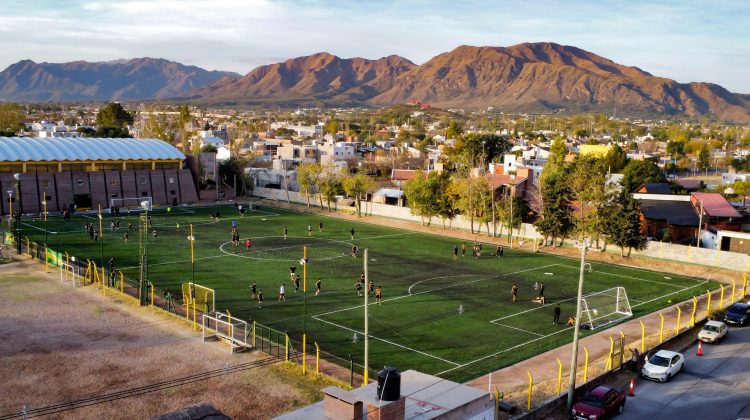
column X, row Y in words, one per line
column 143, row 251
column 17, row 177
column 44, row 203
column 191, row 238
column 10, row 208
column 576, row 329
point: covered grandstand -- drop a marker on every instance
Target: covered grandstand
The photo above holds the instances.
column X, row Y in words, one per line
column 87, row 172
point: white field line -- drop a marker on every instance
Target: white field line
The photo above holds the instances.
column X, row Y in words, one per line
column 558, row 332
column 388, row 342
column 631, row 278
column 521, row 329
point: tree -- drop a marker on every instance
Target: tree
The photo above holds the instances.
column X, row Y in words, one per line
column 587, row 180
column 358, row 185
column 615, row 159
column 556, row 160
column 510, row 211
column 638, row 172
column 11, row 119
column 427, row 196
column 209, row 148
column 233, row 169
column 621, row 223
column 182, row 129
column 704, row 156
column 475, row 149
column 472, row 199
column 308, row 178
column 156, row 129
column 556, row 218
column 676, row 149
column 454, row 130
column 113, row 115
column 330, row 187
column 332, row 126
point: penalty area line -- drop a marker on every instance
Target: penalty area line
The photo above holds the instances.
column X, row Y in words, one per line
column 315, row 317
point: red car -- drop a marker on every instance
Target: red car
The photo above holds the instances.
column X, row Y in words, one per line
column 601, row 402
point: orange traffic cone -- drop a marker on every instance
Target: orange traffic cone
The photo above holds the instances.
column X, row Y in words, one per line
column 632, row 387
column 700, row 349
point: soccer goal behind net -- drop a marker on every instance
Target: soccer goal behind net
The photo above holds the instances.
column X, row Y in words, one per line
column 138, row 203
column 605, row 307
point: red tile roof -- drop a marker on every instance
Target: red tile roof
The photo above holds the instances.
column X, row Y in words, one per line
column 403, row 174
column 714, row 205
column 497, row 181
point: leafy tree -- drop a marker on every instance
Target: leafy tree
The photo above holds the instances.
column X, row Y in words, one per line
column 676, row 149
column 637, row 172
column 556, row 218
column 113, row 115
column 615, row 159
column 510, row 211
column 332, row 126
column 587, row 181
column 475, row 149
column 556, row 160
column 621, row 222
column 308, row 178
column 704, row 156
column 358, row 185
column 209, row 148
column 330, row 187
column 422, row 195
column 234, row 169
column 182, row 126
column 156, row 129
column 11, row 119
column 454, row 130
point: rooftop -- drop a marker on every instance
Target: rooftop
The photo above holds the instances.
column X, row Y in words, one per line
column 677, row 213
column 714, row 205
column 27, row 149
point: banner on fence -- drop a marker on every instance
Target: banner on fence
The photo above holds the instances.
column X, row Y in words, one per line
column 54, row 258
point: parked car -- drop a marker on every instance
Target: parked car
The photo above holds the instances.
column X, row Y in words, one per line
column 713, row 331
column 738, row 314
column 663, row 365
column 601, row 402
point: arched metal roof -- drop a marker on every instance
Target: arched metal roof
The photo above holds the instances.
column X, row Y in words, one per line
column 26, row 149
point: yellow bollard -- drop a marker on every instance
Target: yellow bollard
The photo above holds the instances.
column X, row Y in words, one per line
column 708, row 304
column 734, row 286
column 46, row 260
column 254, row 334
column 286, row 347
column 559, row 377
column 721, row 298
column 151, row 285
column 643, row 337
column 695, row 310
column 679, row 315
column 195, row 317
column 586, row 365
column 122, row 282
column 661, row 329
column 317, row 358
column 304, row 354
column 531, row 387
column 229, row 327
column 28, row 246
column 744, row 287
column 611, row 351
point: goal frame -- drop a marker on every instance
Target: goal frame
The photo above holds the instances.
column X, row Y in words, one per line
column 131, row 202
column 622, row 308
column 204, row 297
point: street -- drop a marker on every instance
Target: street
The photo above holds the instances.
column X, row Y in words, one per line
column 715, row 386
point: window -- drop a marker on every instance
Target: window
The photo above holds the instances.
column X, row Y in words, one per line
column 171, row 180
column 144, row 194
column 143, row 180
column 172, row 192
column 47, row 197
column 114, row 195
column 113, row 182
column 79, row 182
column 45, row 184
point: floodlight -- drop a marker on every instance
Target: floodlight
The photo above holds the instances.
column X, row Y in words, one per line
column 17, row 177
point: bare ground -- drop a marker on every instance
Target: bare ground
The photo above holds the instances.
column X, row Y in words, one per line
column 60, row 344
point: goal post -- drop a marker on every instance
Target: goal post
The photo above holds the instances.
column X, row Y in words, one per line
column 605, row 307
column 204, row 297
column 132, row 203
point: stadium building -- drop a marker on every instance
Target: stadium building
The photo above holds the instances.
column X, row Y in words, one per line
column 88, row 172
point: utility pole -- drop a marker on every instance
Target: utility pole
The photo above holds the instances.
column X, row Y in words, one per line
column 576, row 329
column 367, row 325
column 700, row 226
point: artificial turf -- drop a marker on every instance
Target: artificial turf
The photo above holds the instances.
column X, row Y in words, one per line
column 441, row 316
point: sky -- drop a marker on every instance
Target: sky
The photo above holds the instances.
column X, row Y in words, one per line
column 687, row 40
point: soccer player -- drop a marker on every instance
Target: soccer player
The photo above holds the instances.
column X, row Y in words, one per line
column 130, row 226
column 463, row 249
column 541, row 289
column 571, row 321
column 178, row 225
column 282, row 293
column 309, row 230
column 112, row 226
column 362, row 278
column 370, row 288
column 379, row 295
column 317, row 288
column 286, row 232
column 260, row 298
column 354, row 251
column 455, row 252
column 254, row 290
column 125, row 237
column 358, row 286
column 514, row 291
column 296, row 283
column 320, row 226
column 292, row 272
column 352, row 232
column 234, row 224
column 556, row 319
column 499, row 251
column 154, row 234
column 248, row 244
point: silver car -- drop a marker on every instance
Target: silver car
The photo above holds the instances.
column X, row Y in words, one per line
column 663, row 365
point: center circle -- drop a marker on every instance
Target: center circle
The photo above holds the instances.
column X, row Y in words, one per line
column 277, row 248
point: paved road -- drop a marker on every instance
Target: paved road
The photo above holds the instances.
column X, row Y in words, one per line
column 715, row 386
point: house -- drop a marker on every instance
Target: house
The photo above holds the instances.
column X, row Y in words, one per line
column 667, row 217
column 389, row 196
column 399, row 177
column 730, row 178
column 718, row 213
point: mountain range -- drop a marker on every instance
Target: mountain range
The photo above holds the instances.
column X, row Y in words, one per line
column 533, row 77
column 121, row 80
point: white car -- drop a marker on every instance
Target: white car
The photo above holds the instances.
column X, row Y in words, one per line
column 663, row 365
column 713, row 331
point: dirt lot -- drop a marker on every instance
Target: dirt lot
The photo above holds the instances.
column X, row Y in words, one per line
column 61, row 345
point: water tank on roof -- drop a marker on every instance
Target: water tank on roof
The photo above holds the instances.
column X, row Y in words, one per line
column 389, row 384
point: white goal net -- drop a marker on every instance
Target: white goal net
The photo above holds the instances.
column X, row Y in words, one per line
column 605, row 307
column 132, row 203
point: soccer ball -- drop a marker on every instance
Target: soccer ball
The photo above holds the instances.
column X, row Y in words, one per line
column 595, row 312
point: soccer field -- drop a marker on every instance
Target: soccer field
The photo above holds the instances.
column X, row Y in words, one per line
column 453, row 318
